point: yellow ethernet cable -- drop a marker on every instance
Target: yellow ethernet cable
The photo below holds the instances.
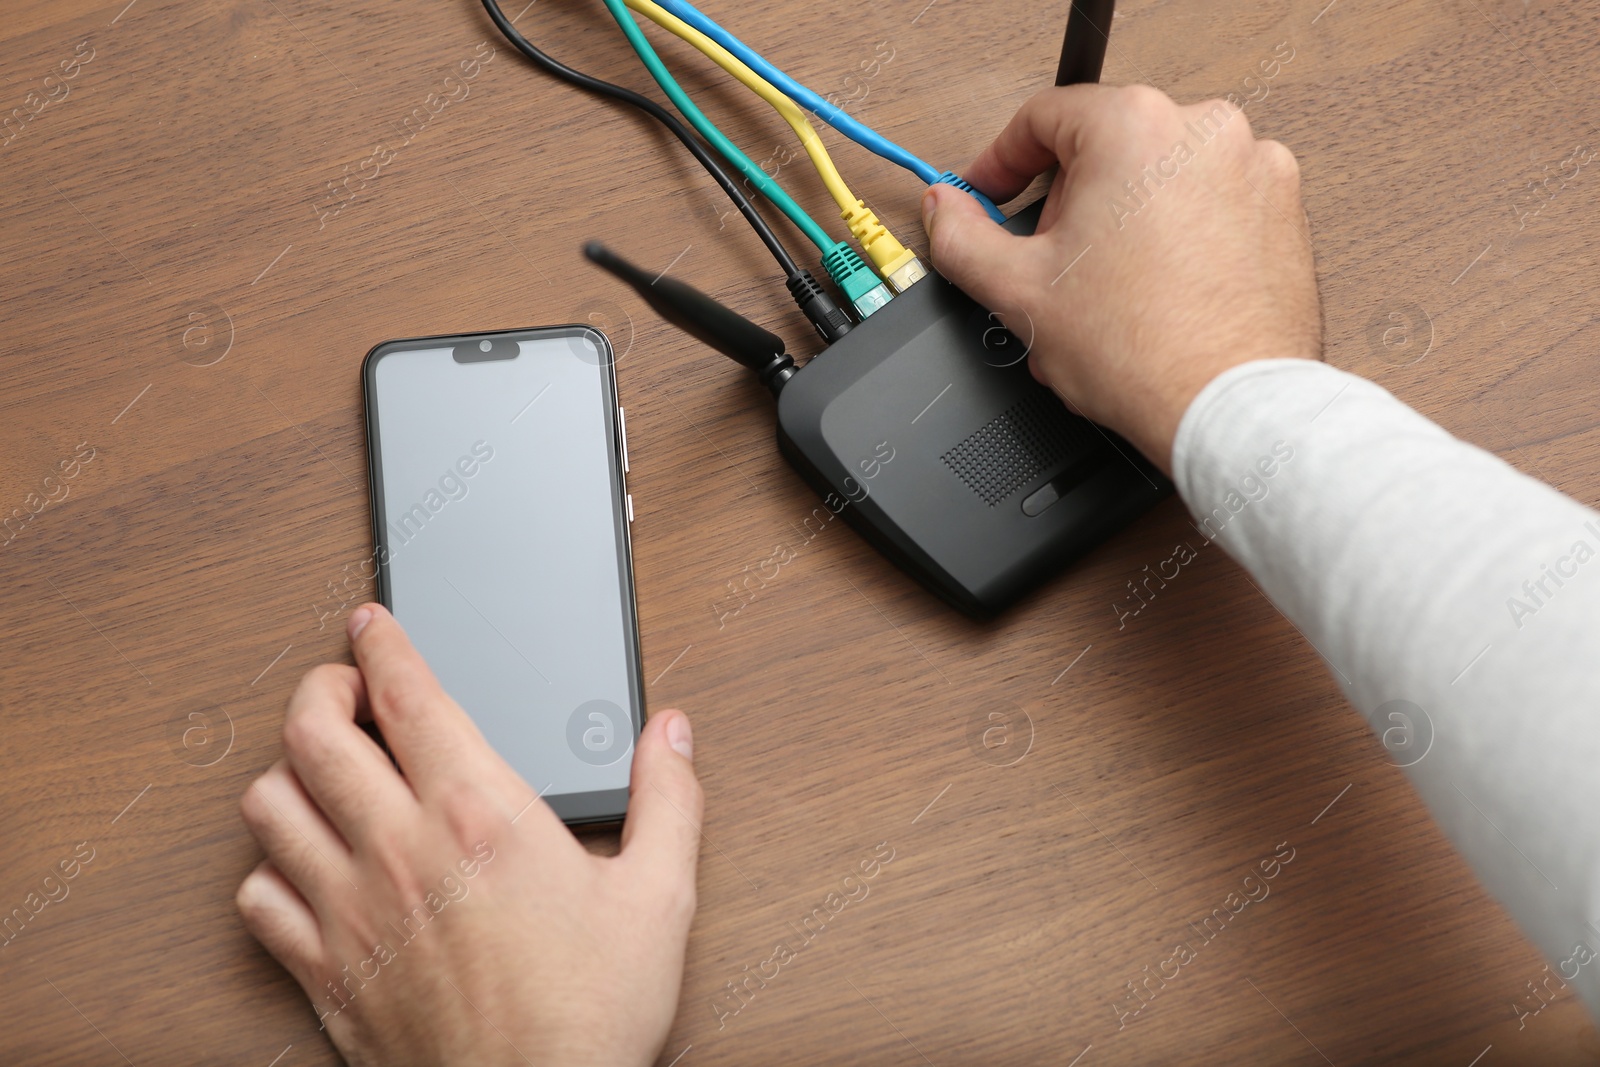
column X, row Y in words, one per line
column 897, row 263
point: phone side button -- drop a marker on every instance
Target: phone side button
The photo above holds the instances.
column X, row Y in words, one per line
column 630, row 507
column 622, row 426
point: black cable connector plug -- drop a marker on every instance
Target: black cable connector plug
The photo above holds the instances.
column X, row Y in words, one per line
column 703, row 318
column 829, row 318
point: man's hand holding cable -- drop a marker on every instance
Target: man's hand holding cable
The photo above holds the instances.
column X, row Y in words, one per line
column 1173, row 245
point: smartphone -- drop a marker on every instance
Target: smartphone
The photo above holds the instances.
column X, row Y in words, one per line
column 500, row 518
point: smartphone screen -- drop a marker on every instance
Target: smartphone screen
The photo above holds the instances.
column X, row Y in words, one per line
column 501, row 520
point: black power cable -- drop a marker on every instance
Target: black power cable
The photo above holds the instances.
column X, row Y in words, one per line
column 824, row 313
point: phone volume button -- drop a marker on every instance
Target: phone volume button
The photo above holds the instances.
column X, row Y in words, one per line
column 622, row 432
column 630, row 508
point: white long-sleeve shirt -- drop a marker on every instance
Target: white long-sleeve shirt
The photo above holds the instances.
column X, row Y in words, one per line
column 1458, row 601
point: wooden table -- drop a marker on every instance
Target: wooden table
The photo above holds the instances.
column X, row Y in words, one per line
column 184, row 304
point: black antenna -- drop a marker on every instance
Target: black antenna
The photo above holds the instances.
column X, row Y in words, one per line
column 703, row 318
column 1084, row 48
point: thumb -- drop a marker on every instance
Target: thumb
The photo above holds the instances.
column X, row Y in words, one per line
column 971, row 249
column 662, row 831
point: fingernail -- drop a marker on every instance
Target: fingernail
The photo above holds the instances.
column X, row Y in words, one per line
column 930, row 203
column 359, row 619
column 680, row 737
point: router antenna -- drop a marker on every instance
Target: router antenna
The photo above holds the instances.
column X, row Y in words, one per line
column 1084, row 48
column 703, row 318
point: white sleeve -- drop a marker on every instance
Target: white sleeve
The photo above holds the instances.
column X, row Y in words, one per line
column 1457, row 600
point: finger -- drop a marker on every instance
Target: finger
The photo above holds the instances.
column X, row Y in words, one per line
column 1281, row 170
column 665, row 803
column 278, row 916
column 433, row 740
column 1039, row 135
column 971, row 249
column 342, row 768
column 296, row 837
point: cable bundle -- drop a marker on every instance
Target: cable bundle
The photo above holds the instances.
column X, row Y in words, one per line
column 897, row 264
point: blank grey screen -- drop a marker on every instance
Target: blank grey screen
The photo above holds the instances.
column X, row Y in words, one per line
column 501, row 523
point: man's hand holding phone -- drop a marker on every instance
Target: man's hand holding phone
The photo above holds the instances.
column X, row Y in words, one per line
column 440, row 912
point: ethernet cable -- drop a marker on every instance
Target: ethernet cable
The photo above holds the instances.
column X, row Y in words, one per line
column 832, row 114
column 830, row 321
column 898, row 264
column 852, row 276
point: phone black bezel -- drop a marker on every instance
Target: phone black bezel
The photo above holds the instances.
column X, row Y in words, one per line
column 598, row 808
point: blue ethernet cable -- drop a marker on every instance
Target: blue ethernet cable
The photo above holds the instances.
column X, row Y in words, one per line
column 833, row 115
column 853, row 277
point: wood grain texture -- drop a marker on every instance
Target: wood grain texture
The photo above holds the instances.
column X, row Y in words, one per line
column 208, row 552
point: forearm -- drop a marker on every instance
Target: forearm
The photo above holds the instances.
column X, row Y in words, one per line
column 1425, row 570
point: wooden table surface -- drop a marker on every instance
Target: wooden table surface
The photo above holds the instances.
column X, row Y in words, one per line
column 194, row 261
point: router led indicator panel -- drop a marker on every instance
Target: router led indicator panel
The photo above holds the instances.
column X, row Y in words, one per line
column 501, row 519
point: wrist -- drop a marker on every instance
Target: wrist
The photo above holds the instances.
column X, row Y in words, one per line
column 1156, row 433
column 1200, row 418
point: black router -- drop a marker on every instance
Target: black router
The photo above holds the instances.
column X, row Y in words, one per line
column 926, row 429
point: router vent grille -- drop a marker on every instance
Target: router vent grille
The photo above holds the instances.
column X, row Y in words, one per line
column 1031, row 436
